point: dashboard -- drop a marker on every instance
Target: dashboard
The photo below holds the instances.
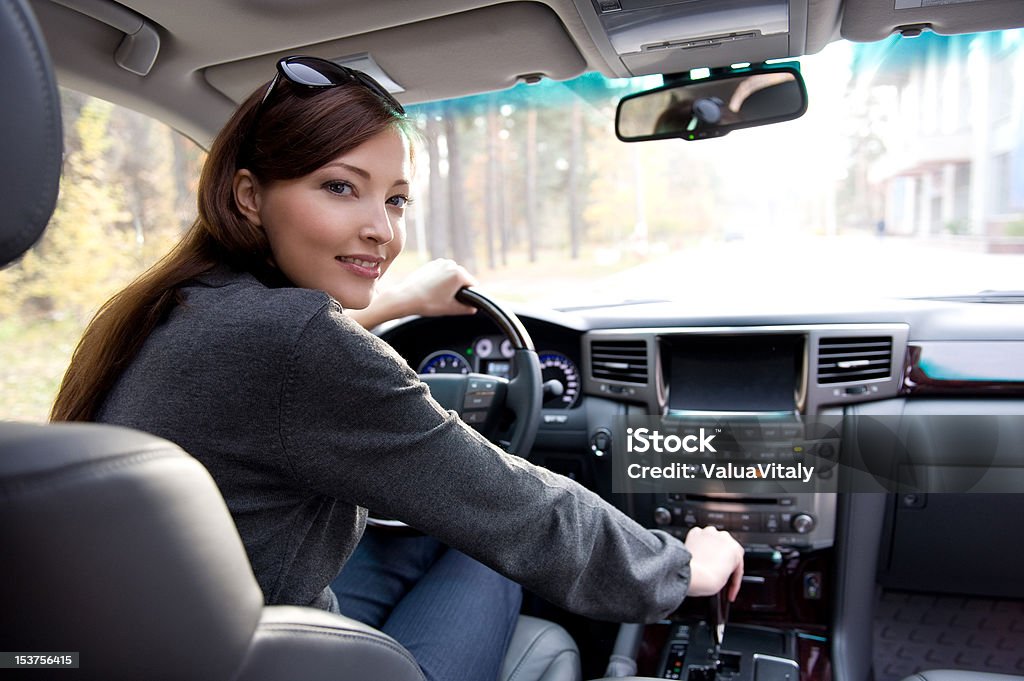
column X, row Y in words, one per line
column 813, row 560
column 897, row 358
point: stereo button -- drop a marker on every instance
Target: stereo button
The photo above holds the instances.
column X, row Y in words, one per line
column 748, row 522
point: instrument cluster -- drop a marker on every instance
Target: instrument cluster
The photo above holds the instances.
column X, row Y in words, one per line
column 493, row 355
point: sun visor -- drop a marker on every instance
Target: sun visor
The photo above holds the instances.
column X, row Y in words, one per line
column 667, row 36
column 869, row 20
column 490, row 48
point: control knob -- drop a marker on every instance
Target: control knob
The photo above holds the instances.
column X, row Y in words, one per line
column 601, row 442
column 803, row 523
column 662, row 516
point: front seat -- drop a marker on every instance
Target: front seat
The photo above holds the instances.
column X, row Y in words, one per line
column 116, row 545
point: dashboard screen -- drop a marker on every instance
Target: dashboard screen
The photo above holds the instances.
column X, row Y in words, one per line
column 497, row 367
column 734, row 373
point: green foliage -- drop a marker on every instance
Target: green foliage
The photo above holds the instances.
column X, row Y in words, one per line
column 126, row 195
column 75, row 262
column 34, row 354
column 117, row 212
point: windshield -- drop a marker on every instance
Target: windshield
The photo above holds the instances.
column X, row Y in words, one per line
column 904, row 178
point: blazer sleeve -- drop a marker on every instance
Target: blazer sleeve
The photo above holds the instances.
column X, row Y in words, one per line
column 357, row 424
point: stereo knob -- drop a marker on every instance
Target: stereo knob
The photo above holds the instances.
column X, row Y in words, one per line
column 662, row 516
column 803, row 523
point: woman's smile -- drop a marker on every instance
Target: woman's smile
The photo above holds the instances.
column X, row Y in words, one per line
column 361, row 265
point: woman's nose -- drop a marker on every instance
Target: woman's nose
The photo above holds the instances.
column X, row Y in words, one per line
column 378, row 227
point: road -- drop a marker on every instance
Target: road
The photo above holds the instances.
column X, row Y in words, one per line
column 766, row 272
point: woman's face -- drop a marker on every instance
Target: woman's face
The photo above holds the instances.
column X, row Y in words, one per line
column 338, row 228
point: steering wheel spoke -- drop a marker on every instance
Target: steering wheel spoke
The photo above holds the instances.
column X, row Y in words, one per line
column 478, row 399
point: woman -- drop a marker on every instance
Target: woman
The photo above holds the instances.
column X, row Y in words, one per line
column 238, row 347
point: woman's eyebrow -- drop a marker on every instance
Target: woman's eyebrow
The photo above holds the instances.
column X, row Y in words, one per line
column 355, row 169
column 364, row 173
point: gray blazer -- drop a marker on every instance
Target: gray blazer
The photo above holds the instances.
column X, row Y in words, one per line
column 305, row 419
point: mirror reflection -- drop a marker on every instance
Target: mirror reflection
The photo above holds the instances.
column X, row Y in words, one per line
column 710, row 108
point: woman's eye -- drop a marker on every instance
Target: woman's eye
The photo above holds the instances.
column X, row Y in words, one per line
column 399, row 201
column 338, row 187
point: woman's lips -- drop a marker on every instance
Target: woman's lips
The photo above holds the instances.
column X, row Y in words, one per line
column 362, row 267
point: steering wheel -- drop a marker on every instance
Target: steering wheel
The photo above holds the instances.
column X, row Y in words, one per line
column 481, row 400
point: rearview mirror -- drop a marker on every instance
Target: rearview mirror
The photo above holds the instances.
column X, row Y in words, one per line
column 713, row 106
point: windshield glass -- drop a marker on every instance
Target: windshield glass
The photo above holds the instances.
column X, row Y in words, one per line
column 904, row 178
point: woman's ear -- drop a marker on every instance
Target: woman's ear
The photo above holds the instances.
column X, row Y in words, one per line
column 246, row 189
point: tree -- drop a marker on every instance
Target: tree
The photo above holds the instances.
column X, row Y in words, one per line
column 437, row 227
column 461, row 235
column 530, row 154
column 575, row 170
column 79, row 262
column 493, row 217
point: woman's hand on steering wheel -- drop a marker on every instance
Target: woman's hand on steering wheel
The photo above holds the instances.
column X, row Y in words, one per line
column 428, row 292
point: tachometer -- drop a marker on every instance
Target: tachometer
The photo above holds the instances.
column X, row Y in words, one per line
column 444, row 362
column 558, row 367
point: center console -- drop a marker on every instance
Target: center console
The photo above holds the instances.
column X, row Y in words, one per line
column 748, row 653
column 778, row 628
column 757, row 393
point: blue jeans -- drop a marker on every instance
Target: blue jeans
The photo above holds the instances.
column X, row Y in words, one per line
column 453, row 614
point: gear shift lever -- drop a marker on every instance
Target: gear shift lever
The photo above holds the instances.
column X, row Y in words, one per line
column 719, row 614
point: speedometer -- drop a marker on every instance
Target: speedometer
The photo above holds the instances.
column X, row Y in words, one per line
column 444, row 362
column 558, row 367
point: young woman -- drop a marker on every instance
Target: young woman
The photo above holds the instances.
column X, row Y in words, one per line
column 239, row 346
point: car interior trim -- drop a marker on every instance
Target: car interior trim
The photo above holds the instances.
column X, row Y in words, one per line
column 870, row 20
column 965, row 368
column 140, row 46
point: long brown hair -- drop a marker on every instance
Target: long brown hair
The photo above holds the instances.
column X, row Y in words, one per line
column 292, row 134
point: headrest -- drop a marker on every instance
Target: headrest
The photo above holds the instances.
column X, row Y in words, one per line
column 768, row 102
column 119, row 547
column 31, row 141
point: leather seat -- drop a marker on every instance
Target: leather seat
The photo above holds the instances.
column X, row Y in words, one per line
column 116, row 544
column 121, row 548
column 542, row 651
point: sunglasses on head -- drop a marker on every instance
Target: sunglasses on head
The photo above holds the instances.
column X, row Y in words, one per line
column 316, row 73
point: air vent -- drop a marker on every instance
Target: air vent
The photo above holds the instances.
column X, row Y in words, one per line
column 624, row 361
column 854, row 359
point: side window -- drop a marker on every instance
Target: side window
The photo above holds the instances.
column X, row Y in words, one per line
column 127, row 194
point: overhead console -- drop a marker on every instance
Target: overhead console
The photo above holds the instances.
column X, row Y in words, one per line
column 639, row 37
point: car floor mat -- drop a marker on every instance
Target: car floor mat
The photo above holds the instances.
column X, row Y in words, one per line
column 920, row 631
